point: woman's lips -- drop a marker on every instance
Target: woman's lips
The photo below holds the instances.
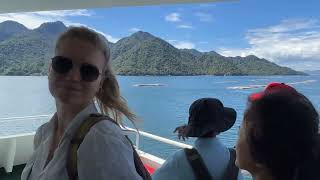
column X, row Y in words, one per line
column 71, row 88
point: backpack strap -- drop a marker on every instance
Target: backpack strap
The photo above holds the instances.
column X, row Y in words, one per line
column 200, row 170
column 72, row 166
column 72, row 161
column 232, row 170
column 141, row 170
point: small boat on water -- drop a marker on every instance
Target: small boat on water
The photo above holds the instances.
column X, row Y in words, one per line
column 149, row 85
column 247, row 87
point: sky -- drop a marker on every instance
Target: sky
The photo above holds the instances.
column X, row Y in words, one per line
column 286, row 32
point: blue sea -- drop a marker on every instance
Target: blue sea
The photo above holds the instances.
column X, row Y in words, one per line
column 160, row 108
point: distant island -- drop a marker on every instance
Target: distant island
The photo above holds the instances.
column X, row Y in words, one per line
column 25, row 52
column 314, row 72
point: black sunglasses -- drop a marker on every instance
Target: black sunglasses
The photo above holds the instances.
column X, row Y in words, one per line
column 63, row 65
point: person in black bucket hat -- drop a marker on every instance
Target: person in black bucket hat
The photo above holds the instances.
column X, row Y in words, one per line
column 207, row 117
column 209, row 159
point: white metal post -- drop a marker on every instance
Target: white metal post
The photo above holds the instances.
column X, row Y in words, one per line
column 137, row 140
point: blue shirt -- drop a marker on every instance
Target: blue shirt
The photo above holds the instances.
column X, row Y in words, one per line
column 214, row 154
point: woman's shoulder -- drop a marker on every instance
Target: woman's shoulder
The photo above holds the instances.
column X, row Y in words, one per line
column 106, row 136
column 107, row 126
column 103, row 145
column 107, row 130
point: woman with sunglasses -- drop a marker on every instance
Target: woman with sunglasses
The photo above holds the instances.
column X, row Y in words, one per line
column 279, row 137
column 80, row 75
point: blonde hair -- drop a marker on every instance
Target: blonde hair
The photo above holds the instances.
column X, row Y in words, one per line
column 108, row 98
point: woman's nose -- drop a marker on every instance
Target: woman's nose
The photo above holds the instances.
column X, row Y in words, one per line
column 74, row 74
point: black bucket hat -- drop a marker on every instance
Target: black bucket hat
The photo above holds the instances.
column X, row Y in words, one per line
column 209, row 115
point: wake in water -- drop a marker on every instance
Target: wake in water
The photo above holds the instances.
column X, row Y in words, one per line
column 222, row 82
column 264, row 85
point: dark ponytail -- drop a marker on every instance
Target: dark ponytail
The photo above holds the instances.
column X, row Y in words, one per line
column 311, row 167
column 284, row 137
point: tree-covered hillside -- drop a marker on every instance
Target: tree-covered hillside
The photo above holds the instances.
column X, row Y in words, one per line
column 28, row 52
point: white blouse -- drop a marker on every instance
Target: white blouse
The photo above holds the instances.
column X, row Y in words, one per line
column 105, row 153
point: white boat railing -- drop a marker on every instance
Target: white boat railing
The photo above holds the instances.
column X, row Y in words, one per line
column 17, row 148
column 155, row 137
column 138, row 133
column 24, row 117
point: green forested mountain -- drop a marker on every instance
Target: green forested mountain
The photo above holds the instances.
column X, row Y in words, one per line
column 11, row 28
column 27, row 52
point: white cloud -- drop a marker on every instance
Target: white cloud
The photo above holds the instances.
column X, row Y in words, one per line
column 204, row 17
column 182, row 44
column 294, row 43
column 134, row 30
column 203, row 42
column 63, row 13
column 33, row 20
column 184, row 26
column 109, row 37
column 286, row 26
column 173, row 17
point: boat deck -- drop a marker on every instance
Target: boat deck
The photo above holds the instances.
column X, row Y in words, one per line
column 14, row 175
column 17, row 170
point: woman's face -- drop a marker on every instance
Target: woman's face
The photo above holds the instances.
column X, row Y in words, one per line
column 244, row 159
column 69, row 87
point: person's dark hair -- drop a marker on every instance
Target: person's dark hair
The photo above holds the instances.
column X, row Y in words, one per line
column 283, row 134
